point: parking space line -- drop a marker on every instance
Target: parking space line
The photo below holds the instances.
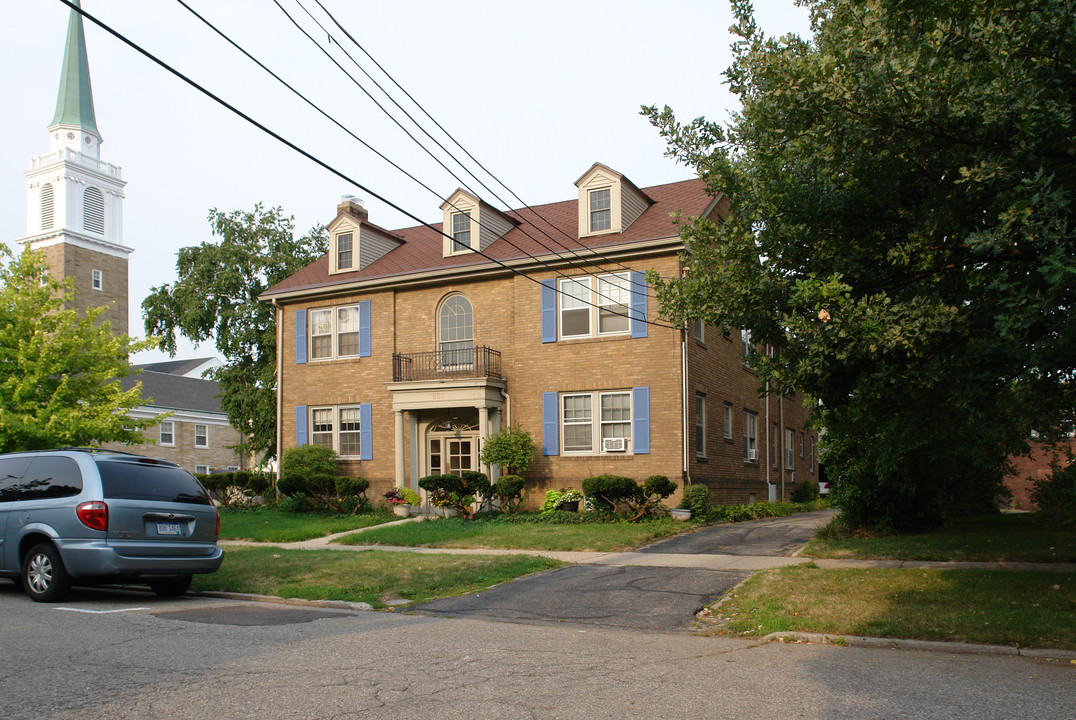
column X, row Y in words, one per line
column 99, row 612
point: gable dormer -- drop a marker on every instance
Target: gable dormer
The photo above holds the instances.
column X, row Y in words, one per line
column 470, row 224
column 608, row 201
column 354, row 242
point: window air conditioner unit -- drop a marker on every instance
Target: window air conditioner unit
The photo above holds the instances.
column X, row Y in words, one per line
column 752, row 455
column 614, row 444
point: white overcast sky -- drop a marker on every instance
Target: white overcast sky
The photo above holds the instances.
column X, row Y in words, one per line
column 536, row 91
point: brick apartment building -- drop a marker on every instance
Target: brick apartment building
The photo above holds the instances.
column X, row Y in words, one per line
column 404, row 349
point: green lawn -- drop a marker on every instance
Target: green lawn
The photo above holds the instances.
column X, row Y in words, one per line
column 456, row 533
column 270, row 525
column 373, row 577
column 1000, row 607
column 1016, row 537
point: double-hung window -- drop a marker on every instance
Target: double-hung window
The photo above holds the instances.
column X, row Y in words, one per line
column 595, row 305
column 321, row 427
column 350, row 437
column 461, row 231
column 347, row 331
column 728, row 421
column 334, row 332
column 587, row 432
column 201, row 436
column 321, row 334
column 96, row 281
column 750, row 436
column 168, row 432
column 344, row 252
column 790, row 450
column 700, row 424
column 601, row 215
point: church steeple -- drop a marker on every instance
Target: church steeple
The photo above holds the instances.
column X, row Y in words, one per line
column 74, row 200
column 74, row 104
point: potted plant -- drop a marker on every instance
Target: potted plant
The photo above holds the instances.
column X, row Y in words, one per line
column 569, row 499
column 411, row 497
column 400, row 505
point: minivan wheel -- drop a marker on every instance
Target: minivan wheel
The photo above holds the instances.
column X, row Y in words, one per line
column 173, row 587
column 43, row 575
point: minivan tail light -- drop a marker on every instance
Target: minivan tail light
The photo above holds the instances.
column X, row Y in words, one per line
column 93, row 515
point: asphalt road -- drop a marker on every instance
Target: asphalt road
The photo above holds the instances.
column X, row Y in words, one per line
column 119, row 655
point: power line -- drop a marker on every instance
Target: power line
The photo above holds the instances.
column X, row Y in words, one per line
column 449, row 135
column 388, row 114
column 208, row 93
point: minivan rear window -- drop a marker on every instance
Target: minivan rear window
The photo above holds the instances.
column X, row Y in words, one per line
column 144, row 481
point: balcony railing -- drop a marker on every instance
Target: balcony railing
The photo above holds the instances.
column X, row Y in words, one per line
column 475, row 362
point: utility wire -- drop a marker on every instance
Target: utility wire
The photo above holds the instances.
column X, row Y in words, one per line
column 388, row 114
column 488, row 172
column 216, row 98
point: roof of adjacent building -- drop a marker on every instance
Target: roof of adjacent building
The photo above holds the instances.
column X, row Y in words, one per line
column 180, row 367
column 74, row 102
column 175, row 392
column 544, row 230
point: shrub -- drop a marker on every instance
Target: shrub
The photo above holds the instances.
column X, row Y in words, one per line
column 309, row 460
column 607, row 492
column 805, row 491
column 290, row 485
column 512, row 448
column 509, row 491
column 697, row 500
column 259, row 484
column 410, row 496
column 450, row 491
column 1055, row 495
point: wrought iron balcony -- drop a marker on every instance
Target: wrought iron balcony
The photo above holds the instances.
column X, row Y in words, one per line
column 472, row 362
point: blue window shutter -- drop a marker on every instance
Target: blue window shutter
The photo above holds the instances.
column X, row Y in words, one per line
column 300, row 425
column 364, row 329
column 550, row 425
column 638, row 305
column 366, row 432
column 300, row 337
column 640, row 420
column 549, row 313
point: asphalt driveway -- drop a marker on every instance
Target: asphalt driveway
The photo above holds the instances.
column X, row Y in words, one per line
column 653, row 597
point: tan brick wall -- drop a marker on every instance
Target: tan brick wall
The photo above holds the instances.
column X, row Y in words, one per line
column 217, row 456
column 716, row 369
column 507, row 318
column 70, row 261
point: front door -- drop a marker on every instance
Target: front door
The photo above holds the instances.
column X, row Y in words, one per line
column 453, row 454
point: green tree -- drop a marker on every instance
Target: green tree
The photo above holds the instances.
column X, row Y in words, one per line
column 901, row 226
column 60, row 372
column 511, row 447
column 216, row 296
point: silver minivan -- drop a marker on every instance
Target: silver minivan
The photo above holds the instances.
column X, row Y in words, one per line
column 87, row 516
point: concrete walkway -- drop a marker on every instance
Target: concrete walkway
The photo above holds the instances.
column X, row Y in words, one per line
column 647, row 557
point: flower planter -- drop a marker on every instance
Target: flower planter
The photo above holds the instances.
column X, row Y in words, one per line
column 680, row 514
column 401, row 510
column 448, row 512
column 570, row 506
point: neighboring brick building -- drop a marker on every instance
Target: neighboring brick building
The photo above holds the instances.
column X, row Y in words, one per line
column 404, row 349
column 197, row 435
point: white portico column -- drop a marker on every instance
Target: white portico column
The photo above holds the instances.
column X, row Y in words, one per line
column 483, row 428
column 415, row 445
column 398, row 447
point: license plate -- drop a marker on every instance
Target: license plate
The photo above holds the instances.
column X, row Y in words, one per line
column 167, row 528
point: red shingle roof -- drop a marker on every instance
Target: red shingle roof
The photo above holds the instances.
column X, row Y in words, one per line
column 423, row 250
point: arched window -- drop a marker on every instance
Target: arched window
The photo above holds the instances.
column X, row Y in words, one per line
column 93, row 211
column 455, row 330
column 46, row 206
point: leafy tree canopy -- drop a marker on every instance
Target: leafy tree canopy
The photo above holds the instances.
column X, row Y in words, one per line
column 901, row 226
column 511, row 447
column 60, row 372
column 216, row 296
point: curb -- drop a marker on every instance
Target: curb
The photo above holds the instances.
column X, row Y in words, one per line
column 957, row 648
column 273, row 599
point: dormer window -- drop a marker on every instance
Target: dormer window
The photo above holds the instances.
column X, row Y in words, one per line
column 344, row 253
column 600, row 210
column 608, row 202
column 461, row 231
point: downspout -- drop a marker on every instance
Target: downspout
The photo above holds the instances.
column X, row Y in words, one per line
column 507, row 412
column 769, row 443
column 683, row 420
column 279, row 386
column 781, row 439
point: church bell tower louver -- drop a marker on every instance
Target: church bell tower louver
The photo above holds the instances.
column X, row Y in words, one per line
column 74, row 206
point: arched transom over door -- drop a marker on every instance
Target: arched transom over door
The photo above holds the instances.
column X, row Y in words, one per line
column 455, row 332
